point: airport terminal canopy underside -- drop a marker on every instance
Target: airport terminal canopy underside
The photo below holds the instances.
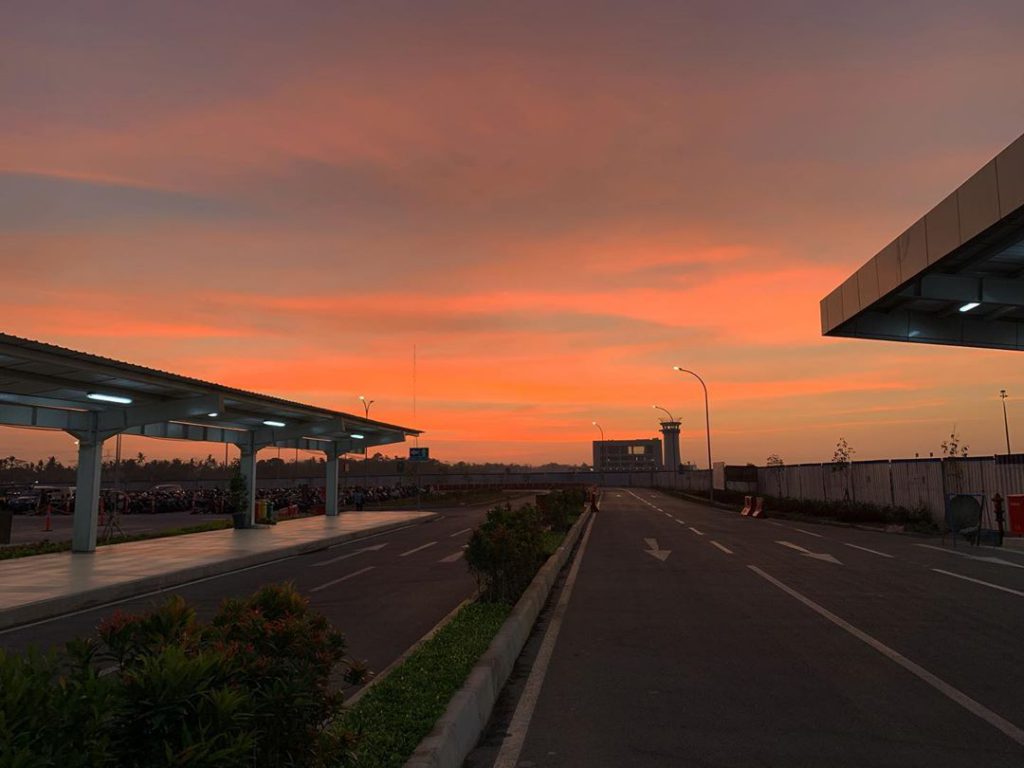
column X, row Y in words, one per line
column 956, row 276
column 94, row 398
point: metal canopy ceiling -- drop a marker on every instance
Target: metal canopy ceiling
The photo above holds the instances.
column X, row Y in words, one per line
column 46, row 386
column 955, row 277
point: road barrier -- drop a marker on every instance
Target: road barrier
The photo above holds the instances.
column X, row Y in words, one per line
column 758, row 510
column 748, row 504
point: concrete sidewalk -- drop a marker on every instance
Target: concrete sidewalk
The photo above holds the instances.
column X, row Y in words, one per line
column 43, row 586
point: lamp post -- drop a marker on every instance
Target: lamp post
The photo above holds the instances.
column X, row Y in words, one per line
column 601, row 452
column 707, row 425
column 665, row 410
column 366, row 405
column 1006, row 422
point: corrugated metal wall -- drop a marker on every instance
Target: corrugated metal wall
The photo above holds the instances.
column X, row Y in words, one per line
column 872, row 482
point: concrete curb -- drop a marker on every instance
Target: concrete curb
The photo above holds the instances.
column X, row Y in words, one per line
column 79, row 601
column 458, row 730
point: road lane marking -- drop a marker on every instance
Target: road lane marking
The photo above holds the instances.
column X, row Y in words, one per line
column 979, row 581
column 810, row 533
column 350, row 554
column 865, row 549
column 352, row 575
column 459, row 533
column 699, row 533
column 451, row 558
column 653, row 551
column 515, row 735
column 681, row 522
column 418, row 549
column 971, row 557
column 807, row 553
column 666, row 514
column 965, row 701
column 724, row 549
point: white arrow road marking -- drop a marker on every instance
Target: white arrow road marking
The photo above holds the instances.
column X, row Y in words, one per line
column 972, row 557
column 451, row 558
column 412, row 551
column 808, row 553
column 699, row 533
column 979, row 581
column 459, row 533
column 351, row 554
column 865, row 549
column 724, row 549
column 343, row 578
column 652, row 549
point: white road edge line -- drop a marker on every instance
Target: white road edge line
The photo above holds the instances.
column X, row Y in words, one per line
column 451, row 558
column 699, row 533
column 724, row 549
column 327, row 584
column 965, row 701
column 459, row 533
column 865, row 549
column 512, row 744
column 979, row 581
column 421, row 547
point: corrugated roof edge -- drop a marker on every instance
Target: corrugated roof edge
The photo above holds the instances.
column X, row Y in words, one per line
column 55, row 349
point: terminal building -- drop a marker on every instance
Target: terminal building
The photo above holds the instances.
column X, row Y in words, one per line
column 641, row 454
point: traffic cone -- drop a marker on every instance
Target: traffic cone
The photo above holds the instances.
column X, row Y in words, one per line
column 47, row 522
column 759, row 509
column 747, row 504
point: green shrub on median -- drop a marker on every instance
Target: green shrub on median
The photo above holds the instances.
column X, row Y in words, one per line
column 505, row 552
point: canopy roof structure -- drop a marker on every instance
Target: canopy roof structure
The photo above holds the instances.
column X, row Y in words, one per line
column 45, row 386
column 955, row 276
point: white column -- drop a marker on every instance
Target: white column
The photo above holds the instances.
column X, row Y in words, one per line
column 331, row 497
column 247, row 468
column 87, row 492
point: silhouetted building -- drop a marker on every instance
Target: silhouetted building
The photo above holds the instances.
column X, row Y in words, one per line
column 670, row 433
column 628, row 455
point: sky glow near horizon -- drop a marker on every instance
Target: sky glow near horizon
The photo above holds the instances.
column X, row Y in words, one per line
column 555, row 203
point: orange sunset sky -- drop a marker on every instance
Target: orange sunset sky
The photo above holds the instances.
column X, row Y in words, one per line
column 555, row 202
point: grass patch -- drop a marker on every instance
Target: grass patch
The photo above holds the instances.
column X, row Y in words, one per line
column 395, row 715
column 49, row 547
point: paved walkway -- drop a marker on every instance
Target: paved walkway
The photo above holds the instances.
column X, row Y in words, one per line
column 33, row 588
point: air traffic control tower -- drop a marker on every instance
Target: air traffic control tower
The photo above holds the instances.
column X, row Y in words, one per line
column 670, row 432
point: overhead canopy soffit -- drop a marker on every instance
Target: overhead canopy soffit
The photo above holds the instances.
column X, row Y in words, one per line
column 49, row 387
column 956, row 276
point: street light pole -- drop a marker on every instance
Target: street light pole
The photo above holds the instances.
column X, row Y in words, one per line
column 707, row 425
column 670, row 416
column 1006, row 422
column 366, row 405
column 601, row 452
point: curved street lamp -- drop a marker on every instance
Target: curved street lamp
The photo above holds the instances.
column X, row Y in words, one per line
column 665, row 410
column 707, row 425
column 599, row 427
column 366, row 405
column 601, row 452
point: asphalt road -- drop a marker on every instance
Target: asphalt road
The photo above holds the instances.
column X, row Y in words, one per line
column 740, row 642
column 384, row 592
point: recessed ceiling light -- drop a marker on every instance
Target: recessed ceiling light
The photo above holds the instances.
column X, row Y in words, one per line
column 970, row 305
column 357, row 437
column 274, row 423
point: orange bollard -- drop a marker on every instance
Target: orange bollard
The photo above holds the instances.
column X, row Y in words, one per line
column 759, row 509
column 48, row 522
column 747, row 505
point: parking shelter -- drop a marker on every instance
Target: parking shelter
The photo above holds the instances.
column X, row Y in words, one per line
column 93, row 398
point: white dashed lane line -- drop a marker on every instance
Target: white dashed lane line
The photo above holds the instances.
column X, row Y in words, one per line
column 418, row 549
column 810, row 533
column 451, row 558
column 865, row 549
column 459, row 533
column 331, row 583
column 699, row 533
column 724, row 549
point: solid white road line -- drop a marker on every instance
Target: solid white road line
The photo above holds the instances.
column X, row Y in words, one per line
column 459, row 533
column 724, row 549
column 941, row 686
column 327, row 584
column 451, row 558
column 512, row 745
column 810, row 533
column 865, row 549
column 699, row 533
column 419, row 548
column 350, row 554
column 979, row 581
column 995, row 560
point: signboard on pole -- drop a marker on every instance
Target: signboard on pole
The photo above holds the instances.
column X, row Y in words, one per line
column 419, row 454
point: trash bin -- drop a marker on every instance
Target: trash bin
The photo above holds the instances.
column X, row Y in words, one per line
column 6, row 519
